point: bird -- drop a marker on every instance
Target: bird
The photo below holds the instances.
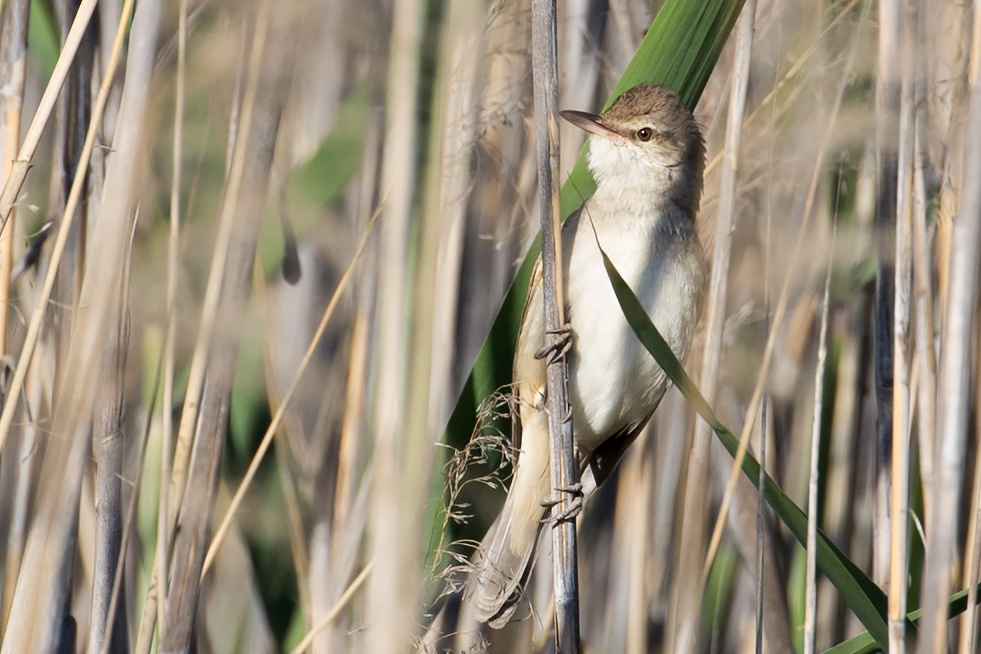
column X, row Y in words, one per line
column 647, row 156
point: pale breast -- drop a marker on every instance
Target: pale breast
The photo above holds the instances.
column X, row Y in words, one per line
column 614, row 381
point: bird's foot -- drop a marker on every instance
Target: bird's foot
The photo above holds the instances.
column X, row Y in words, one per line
column 575, row 506
column 559, row 348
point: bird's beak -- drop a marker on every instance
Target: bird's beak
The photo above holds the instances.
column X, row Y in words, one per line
column 588, row 122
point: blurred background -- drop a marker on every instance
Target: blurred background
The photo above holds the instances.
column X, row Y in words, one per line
column 259, row 246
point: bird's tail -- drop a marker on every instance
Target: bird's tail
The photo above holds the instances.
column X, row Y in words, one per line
column 505, row 557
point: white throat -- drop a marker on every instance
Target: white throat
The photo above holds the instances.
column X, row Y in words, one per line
column 626, row 177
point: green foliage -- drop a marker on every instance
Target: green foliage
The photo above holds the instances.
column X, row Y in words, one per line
column 43, row 42
column 719, row 587
column 322, row 179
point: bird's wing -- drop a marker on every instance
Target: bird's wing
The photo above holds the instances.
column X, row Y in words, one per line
column 525, row 368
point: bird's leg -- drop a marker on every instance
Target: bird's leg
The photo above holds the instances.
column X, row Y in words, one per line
column 560, row 347
column 577, row 498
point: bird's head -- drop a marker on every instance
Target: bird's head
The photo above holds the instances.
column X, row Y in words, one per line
column 647, row 138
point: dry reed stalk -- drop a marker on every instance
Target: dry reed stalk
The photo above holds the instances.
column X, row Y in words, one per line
column 284, row 402
column 780, row 86
column 71, row 122
column 130, row 520
column 107, row 622
column 887, row 98
column 924, row 306
column 624, row 615
column 636, row 616
column 427, row 374
column 498, row 206
column 968, row 623
column 450, row 179
column 18, row 172
column 308, row 440
column 21, row 498
column 353, row 482
column 564, row 467
column 455, row 112
column 810, row 580
column 13, row 70
column 583, row 74
column 972, row 549
column 243, row 205
column 954, row 376
column 902, row 314
column 844, row 517
column 764, row 527
column 628, row 21
column 351, row 448
column 172, row 486
column 693, row 526
column 249, row 61
column 108, row 447
column 40, row 594
column 37, row 619
column 107, row 625
column 781, row 307
column 924, row 266
column 335, row 610
column 950, row 36
column 393, row 517
column 64, row 225
column 684, row 628
column 161, row 556
column 110, row 13
column 775, row 624
column 673, row 419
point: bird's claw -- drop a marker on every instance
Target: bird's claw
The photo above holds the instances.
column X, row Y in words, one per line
column 574, row 509
column 559, row 348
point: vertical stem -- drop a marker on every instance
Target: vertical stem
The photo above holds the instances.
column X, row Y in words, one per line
column 693, row 542
column 18, row 172
column 270, row 61
column 167, row 436
column 954, row 376
column 52, row 538
column 104, row 628
column 899, row 541
column 13, row 71
column 810, row 601
column 128, row 523
column 972, row 548
column 887, row 105
column 924, row 265
column 564, row 468
column 14, row 182
column 391, row 511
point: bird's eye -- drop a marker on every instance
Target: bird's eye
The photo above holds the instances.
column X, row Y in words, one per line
column 645, row 134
